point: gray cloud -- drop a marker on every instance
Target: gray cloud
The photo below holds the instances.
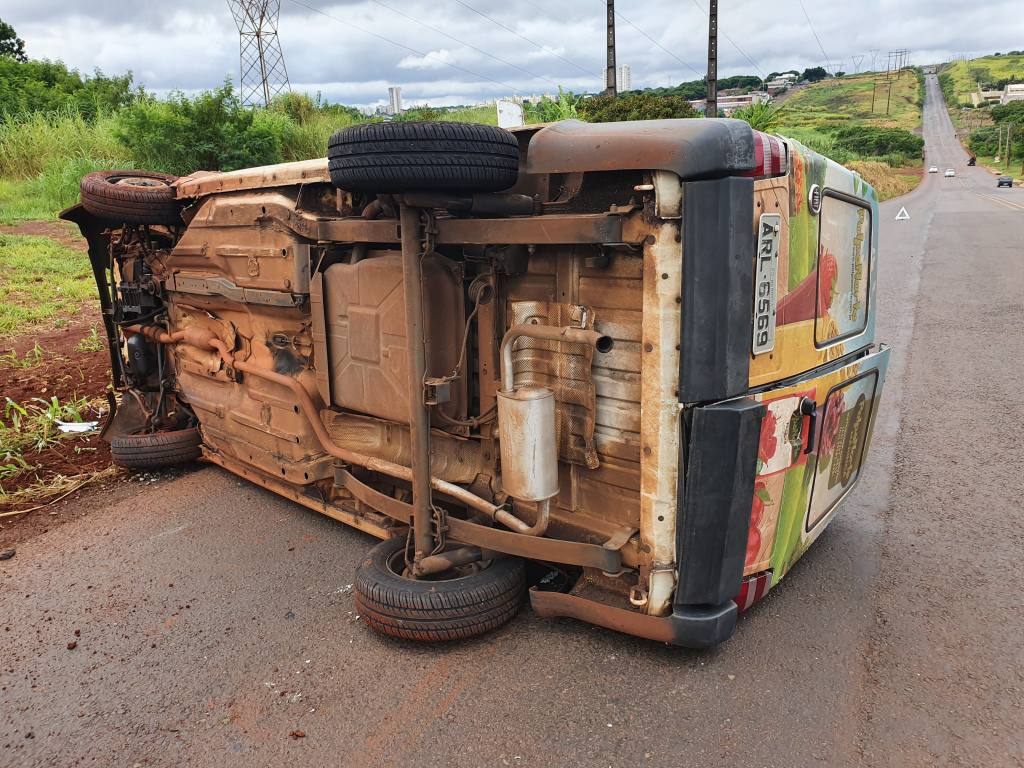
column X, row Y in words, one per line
column 193, row 44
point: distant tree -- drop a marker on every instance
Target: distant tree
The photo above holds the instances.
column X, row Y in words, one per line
column 11, row 46
column 840, row 74
column 814, row 74
column 48, row 86
column 634, row 106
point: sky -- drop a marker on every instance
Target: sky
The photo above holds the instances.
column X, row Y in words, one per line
column 447, row 52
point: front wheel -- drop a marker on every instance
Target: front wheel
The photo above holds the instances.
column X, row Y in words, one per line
column 454, row 605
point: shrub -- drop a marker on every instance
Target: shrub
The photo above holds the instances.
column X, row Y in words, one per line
column 212, row 131
column 640, row 105
column 548, row 110
column 871, row 141
column 761, row 116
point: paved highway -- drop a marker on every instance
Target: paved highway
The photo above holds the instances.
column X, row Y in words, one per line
column 214, row 623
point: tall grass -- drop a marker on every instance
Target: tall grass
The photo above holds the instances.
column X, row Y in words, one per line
column 36, row 143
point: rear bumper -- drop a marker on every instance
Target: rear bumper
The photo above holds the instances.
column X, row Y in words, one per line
column 689, row 626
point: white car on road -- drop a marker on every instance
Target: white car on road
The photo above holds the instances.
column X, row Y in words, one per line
column 950, row 172
column 933, row 169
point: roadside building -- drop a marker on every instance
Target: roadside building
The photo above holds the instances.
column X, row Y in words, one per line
column 625, row 82
column 1012, row 92
column 394, row 99
column 729, row 103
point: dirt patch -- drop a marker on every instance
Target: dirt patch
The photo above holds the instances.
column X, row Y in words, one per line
column 63, row 232
column 64, row 372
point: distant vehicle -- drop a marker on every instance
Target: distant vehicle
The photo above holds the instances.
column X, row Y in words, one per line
column 933, row 169
column 1004, row 181
column 950, row 172
column 972, row 161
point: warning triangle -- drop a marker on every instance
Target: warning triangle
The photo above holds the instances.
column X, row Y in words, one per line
column 902, row 215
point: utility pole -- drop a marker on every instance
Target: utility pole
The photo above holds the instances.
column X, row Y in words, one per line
column 610, row 86
column 711, row 104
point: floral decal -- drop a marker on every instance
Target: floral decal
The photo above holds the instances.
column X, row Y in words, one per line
column 830, row 425
column 828, row 271
column 769, row 442
column 797, row 169
column 761, row 497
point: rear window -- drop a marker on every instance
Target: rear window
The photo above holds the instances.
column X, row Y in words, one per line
column 844, row 262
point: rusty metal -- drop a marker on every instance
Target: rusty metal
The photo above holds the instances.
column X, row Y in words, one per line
column 599, row 341
column 419, row 416
column 499, row 204
column 365, row 332
column 688, row 148
column 308, row 408
column 604, row 558
column 445, row 561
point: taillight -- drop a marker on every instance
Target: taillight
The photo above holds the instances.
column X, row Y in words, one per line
column 752, row 589
column 770, row 155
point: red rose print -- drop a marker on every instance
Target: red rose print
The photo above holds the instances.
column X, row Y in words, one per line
column 828, row 270
column 757, row 510
column 753, row 545
column 830, row 426
column 769, row 442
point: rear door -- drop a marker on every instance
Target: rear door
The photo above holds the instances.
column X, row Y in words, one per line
column 814, row 438
column 816, row 232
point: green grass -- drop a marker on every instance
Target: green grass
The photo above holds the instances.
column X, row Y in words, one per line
column 838, row 102
column 965, row 74
column 40, row 280
column 486, row 115
column 22, row 200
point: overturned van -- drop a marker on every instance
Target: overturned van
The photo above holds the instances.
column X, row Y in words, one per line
column 640, row 354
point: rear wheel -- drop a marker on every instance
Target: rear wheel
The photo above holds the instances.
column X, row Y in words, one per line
column 403, row 156
column 454, row 605
column 158, row 449
column 131, row 197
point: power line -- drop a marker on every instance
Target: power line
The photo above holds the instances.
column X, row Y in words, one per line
column 520, row 36
column 828, row 61
column 657, row 44
column 462, row 42
column 426, row 55
column 733, row 43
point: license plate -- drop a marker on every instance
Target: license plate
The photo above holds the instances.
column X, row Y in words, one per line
column 769, row 230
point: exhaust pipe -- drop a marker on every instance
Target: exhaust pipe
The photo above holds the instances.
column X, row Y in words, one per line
column 526, row 427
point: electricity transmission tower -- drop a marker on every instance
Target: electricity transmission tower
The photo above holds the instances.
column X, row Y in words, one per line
column 261, row 62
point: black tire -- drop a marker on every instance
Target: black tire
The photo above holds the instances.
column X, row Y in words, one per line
column 131, row 197
column 435, row 610
column 159, row 449
column 406, row 156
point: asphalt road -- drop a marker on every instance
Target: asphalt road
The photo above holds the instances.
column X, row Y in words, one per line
column 213, row 619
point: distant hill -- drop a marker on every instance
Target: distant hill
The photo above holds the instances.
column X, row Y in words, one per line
column 962, row 78
column 842, row 101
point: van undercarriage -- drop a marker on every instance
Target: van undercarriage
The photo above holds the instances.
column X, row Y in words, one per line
column 557, row 368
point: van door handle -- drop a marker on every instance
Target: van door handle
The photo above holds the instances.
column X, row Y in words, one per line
column 809, row 408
